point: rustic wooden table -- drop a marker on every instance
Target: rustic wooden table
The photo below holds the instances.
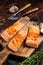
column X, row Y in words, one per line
column 4, row 14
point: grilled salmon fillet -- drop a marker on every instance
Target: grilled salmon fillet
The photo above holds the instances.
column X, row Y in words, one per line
column 8, row 33
column 18, row 39
column 33, row 36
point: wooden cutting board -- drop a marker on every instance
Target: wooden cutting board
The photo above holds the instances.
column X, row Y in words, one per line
column 24, row 51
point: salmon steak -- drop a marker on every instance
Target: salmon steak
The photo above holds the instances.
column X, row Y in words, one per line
column 18, row 39
column 33, row 36
column 8, row 33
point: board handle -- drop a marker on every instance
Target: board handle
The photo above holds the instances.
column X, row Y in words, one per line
column 3, row 55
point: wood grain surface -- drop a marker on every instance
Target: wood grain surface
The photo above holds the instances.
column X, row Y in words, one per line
column 24, row 51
